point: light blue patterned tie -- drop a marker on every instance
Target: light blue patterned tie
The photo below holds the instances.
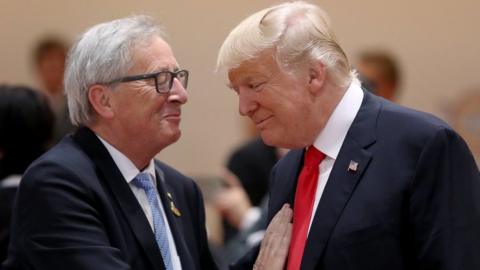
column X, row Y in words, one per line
column 143, row 180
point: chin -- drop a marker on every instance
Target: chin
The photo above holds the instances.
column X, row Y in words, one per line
column 175, row 136
column 270, row 139
column 168, row 138
column 281, row 140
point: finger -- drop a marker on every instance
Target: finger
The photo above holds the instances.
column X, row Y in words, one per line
column 286, row 213
column 287, row 236
column 283, row 216
column 278, row 228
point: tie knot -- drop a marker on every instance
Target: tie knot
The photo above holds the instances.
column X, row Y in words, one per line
column 313, row 156
column 144, row 181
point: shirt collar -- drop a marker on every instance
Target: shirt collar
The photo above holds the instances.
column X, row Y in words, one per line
column 331, row 138
column 125, row 165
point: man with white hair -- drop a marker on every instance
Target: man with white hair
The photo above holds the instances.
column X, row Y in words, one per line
column 98, row 199
column 373, row 185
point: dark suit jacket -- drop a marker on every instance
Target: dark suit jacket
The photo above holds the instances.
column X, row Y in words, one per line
column 74, row 210
column 413, row 202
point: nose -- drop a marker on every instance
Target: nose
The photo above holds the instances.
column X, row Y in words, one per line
column 178, row 93
column 247, row 103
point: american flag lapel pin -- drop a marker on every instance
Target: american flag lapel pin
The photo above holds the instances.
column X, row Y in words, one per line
column 353, row 166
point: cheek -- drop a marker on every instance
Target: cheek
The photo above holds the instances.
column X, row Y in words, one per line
column 290, row 113
column 155, row 108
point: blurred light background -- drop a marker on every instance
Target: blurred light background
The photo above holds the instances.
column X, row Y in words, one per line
column 437, row 44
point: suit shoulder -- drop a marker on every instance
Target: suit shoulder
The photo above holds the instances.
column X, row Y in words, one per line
column 403, row 121
column 65, row 154
column 64, row 159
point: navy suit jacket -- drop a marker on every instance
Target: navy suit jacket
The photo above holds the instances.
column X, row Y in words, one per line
column 412, row 203
column 74, row 210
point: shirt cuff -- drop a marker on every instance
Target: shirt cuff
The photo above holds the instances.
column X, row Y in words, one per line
column 250, row 218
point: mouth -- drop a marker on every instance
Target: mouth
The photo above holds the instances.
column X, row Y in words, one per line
column 173, row 116
column 261, row 123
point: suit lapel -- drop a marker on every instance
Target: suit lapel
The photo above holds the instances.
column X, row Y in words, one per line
column 283, row 191
column 167, row 197
column 124, row 196
column 342, row 181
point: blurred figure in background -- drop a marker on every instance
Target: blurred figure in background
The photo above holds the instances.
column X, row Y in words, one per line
column 49, row 61
column 243, row 202
column 26, row 128
column 379, row 73
column 252, row 163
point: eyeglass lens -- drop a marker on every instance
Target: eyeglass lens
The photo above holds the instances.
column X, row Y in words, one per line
column 165, row 79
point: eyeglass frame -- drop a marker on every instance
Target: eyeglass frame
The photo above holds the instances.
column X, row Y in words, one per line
column 155, row 75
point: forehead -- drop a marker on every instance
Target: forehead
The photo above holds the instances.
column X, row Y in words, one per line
column 262, row 66
column 155, row 56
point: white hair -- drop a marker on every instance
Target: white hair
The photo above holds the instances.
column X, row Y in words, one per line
column 299, row 32
column 102, row 54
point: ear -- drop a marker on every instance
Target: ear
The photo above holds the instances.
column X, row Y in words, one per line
column 317, row 75
column 100, row 99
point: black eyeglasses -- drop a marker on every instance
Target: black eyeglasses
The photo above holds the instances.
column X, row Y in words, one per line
column 163, row 79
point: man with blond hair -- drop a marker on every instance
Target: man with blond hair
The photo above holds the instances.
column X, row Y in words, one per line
column 373, row 185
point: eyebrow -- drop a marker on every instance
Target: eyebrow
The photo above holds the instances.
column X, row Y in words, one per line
column 164, row 68
column 249, row 79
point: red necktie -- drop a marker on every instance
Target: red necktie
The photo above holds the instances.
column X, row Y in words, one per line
column 303, row 206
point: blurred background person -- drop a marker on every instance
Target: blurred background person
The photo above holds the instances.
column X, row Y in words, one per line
column 49, row 61
column 243, row 201
column 252, row 163
column 379, row 73
column 26, row 128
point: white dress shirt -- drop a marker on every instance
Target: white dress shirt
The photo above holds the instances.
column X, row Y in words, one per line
column 331, row 138
column 129, row 172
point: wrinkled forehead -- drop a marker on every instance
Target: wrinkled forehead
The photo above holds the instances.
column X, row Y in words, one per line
column 157, row 55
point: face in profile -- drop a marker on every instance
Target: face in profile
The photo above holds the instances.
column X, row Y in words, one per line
column 276, row 101
column 142, row 113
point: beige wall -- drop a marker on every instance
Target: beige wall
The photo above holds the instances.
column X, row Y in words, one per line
column 437, row 43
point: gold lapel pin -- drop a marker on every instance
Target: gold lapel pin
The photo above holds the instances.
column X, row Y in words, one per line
column 175, row 209
column 353, row 166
